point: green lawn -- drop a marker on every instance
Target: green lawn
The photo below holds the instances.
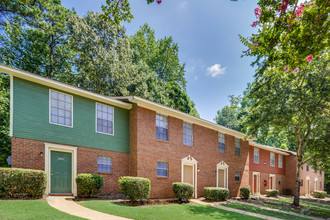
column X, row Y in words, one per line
column 30, row 209
column 163, row 211
column 261, row 211
column 306, row 209
column 306, row 202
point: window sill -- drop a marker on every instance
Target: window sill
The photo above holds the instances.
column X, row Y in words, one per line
column 221, row 152
column 188, row 146
column 162, row 177
column 163, row 141
column 104, row 173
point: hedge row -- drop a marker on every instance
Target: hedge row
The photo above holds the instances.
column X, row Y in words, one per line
column 244, row 193
column 183, row 191
column 272, row 192
column 89, row 184
column 216, row 193
column 319, row 194
column 135, row 188
column 22, row 183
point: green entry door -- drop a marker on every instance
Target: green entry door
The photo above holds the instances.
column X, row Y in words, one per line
column 61, row 172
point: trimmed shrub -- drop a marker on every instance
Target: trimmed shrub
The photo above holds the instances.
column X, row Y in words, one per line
column 288, row 192
column 244, row 193
column 89, row 184
column 272, row 192
column 216, row 193
column 135, row 188
column 183, row 191
column 319, row 194
column 22, row 183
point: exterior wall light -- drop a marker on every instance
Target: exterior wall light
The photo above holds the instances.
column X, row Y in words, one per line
column 265, row 163
column 198, row 169
column 41, row 153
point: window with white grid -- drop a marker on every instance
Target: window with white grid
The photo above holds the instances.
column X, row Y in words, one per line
column 104, row 119
column 161, row 127
column 221, row 143
column 104, row 164
column 256, row 155
column 237, row 147
column 272, row 159
column 60, row 108
column 280, row 161
column 237, row 176
column 187, row 134
column 162, row 169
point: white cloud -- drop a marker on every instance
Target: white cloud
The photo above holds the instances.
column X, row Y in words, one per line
column 216, row 70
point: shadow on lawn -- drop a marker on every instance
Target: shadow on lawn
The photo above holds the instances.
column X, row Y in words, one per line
column 211, row 211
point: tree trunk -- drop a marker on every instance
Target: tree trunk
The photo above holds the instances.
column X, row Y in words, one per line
column 51, row 57
column 296, row 199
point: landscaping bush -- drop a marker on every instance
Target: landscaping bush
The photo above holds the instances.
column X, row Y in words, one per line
column 216, row 193
column 319, row 194
column 22, row 183
column 288, row 192
column 89, row 184
column 244, row 193
column 135, row 188
column 183, row 191
column 272, row 192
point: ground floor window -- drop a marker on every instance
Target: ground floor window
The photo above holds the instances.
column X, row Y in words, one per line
column 162, row 169
column 237, row 176
column 104, row 164
column 279, row 181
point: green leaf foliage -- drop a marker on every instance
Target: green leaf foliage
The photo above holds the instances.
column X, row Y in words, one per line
column 135, row 188
column 319, row 194
column 216, row 193
column 22, row 183
column 5, row 140
column 183, row 191
column 272, row 192
column 89, row 185
column 244, row 193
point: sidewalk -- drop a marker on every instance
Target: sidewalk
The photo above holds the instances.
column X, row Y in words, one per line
column 66, row 204
column 197, row 201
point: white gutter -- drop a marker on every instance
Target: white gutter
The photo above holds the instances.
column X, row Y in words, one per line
column 61, row 86
column 268, row 148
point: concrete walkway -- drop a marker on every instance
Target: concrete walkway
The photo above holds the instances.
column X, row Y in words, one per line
column 66, row 204
column 197, row 201
column 275, row 210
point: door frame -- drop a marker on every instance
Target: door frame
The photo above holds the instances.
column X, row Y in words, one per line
column 61, row 148
column 308, row 186
column 273, row 178
column 222, row 166
column 258, row 182
column 316, row 182
column 190, row 161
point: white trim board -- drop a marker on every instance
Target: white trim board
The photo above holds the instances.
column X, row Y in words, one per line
column 61, row 148
column 11, row 120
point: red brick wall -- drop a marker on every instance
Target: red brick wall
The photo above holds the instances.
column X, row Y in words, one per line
column 26, row 154
column 264, row 156
column 291, row 172
column 149, row 150
column 311, row 174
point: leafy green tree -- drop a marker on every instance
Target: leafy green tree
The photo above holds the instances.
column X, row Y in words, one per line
column 228, row 117
column 5, row 141
column 297, row 103
column 161, row 57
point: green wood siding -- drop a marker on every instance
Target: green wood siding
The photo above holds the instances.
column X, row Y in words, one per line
column 31, row 120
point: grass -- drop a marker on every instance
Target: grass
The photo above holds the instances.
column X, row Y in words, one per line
column 261, row 211
column 306, row 210
column 306, row 202
column 30, row 209
column 163, row 212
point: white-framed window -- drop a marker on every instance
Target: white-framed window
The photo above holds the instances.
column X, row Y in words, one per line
column 187, row 134
column 104, row 119
column 237, row 147
column 161, row 127
column 272, row 159
column 162, row 169
column 256, row 155
column 104, row 164
column 280, row 161
column 60, row 108
column 279, row 181
column 222, row 143
column 237, row 176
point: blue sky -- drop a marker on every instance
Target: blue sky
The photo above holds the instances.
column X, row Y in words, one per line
column 207, row 34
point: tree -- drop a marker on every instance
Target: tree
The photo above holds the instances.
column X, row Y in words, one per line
column 34, row 37
column 5, row 141
column 297, row 102
column 227, row 116
column 161, row 57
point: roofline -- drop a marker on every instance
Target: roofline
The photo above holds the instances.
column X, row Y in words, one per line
column 32, row 77
column 269, row 148
column 164, row 110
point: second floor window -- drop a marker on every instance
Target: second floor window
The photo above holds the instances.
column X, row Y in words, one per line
column 104, row 119
column 237, row 147
column 307, row 168
column 60, row 108
column 222, row 143
column 272, row 159
column 256, row 155
column 161, row 127
column 187, row 134
column 280, row 161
